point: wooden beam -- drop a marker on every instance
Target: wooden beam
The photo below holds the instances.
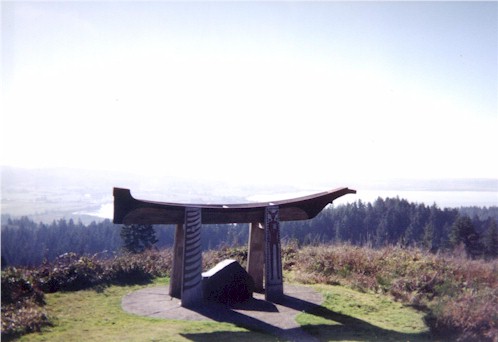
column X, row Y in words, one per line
column 129, row 210
column 175, row 285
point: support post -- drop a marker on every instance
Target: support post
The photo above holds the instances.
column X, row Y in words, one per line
column 192, row 259
column 256, row 255
column 274, row 289
column 175, row 285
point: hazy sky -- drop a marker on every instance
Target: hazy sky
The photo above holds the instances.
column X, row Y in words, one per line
column 253, row 91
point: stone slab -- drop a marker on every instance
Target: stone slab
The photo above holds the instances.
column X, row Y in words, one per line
column 227, row 283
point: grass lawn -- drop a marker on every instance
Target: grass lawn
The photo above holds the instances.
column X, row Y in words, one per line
column 346, row 315
column 97, row 316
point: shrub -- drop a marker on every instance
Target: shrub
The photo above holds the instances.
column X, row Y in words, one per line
column 461, row 295
column 468, row 316
column 23, row 289
column 212, row 257
column 22, row 303
column 17, row 287
column 23, row 317
column 69, row 273
column 138, row 268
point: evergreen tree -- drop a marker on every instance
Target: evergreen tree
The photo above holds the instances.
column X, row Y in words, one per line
column 463, row 232
column 428, row 237
column 490, row 241
column 138, row 237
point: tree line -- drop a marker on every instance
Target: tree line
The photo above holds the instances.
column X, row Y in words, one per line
column 397, row 221
column 384, row 222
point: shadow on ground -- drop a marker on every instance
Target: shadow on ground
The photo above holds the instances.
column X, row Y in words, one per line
column 339, row 327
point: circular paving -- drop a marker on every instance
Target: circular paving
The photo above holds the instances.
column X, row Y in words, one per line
column 257, row 313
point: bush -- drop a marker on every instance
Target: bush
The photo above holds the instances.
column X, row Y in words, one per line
column 23, row 289
column 212, row 257
column 138, row 268
column 468, row 316
column 69, row 273
column 22, row 304
column 461, row 295
column 17, row 287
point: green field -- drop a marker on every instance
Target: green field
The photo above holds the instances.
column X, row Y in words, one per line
column 346, row 315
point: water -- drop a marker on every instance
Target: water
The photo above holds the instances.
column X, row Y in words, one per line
column 106, row 211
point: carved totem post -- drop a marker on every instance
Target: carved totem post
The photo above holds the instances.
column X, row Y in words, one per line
column 274, row 289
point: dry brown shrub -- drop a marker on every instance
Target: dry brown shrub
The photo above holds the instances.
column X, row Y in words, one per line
column 22, row 303
column 23, row 317
column 460, row 293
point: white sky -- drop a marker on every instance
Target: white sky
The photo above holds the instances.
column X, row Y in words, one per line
column 252, row 91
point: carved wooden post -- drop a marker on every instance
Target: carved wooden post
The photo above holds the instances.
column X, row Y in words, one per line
column 256, row 255
column 274, row 289
column 192, row 259
column 175, row 285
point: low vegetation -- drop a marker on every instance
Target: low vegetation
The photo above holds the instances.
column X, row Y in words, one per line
column 23, row 290
column 457, row 295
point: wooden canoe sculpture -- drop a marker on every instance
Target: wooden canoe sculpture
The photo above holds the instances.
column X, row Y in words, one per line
column 264, row 237
column 128, row 210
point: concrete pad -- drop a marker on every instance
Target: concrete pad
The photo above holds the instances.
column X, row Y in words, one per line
column 257, row 313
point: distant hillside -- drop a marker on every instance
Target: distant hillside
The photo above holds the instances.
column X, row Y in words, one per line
column 54, row 193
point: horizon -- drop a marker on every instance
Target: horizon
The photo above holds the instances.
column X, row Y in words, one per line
column 287, row 94
column 48, row 194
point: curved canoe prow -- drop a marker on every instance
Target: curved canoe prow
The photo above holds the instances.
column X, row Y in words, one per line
column 128, row 210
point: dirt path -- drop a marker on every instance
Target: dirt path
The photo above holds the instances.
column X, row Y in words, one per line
column 277, row 319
